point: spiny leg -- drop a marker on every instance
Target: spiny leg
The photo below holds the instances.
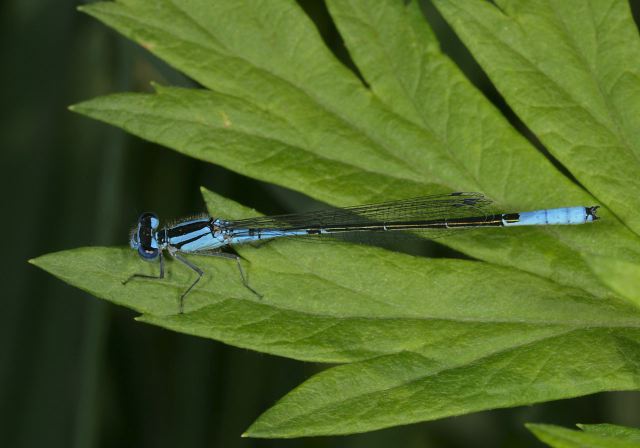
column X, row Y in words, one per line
column 200, row 272
column 152, row 277
column 245, row 282
column 193, row 267
column 235, row 257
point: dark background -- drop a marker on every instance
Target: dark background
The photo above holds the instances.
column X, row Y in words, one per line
column 78, row 372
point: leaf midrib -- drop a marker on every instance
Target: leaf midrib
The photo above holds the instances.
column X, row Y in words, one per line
column 277, row 308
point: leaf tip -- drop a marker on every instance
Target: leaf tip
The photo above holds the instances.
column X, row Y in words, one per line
column 37, row 261
column 88, row 107
column 78, row 108
column 250, row 433
column 93, row 9
column 87, row 9
column 43, row 262
column 257, row 431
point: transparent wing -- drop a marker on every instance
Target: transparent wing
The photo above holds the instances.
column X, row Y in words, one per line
column 441, row 206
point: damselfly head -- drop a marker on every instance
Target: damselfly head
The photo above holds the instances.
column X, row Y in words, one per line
column 144, row 237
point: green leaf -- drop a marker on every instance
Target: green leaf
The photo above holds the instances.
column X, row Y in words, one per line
column 570, row 71
column 409, row 387
column 621, row 276
column 423, row 339
column 609, row 430
column 592, row 436
column 285, row 123
column 454, row 335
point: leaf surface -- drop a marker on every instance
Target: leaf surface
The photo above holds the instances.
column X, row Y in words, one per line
column 592, row 436
column 571, row 71
column 609, row 430
column 541, row 318
column 426, row 338
column 314, row 127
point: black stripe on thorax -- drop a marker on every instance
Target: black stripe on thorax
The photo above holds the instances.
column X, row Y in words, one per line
column 183, row 229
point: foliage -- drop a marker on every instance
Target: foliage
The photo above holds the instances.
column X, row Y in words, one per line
column 542, row 317
column 593, row 436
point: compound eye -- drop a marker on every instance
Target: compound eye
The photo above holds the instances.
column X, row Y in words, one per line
column 145, row 237
column 149, row 219
column 148, row 253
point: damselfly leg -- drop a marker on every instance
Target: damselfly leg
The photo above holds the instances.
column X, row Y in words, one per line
column 152, row 277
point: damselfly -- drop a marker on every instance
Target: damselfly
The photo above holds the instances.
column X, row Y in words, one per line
column 433, row 214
